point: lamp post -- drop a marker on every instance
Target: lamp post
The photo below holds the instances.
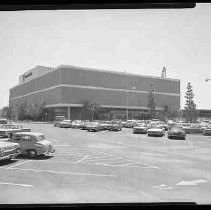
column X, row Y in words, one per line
column 127, row 100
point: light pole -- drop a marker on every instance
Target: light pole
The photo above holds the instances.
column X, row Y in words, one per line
column 127, row 91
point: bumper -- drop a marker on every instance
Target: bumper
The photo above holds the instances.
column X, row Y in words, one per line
column 10, row 156
column 115, row 129
column 139, row 131
column 65, row 126
column 177, row 135
column 93, row 129
column 207, row 133
column 155, row 134
column 49, row 152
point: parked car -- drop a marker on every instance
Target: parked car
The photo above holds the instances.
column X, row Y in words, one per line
column 191, row 128
column 155, row 131
column 176, row 133
column 33, row 143
column 129, row 123
column 65, row 124
column 104, row 125
column 9, row 150
column 3, row 121
column 140, row 129
column 57, row 120
column 77, row 124
column 8, row 130
column 207, row 131
column 115, row 126
column 93, row 126
column 85, row 124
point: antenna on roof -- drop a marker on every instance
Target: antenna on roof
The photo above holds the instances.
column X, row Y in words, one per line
column 163, row 74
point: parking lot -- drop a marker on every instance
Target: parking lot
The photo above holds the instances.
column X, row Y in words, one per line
column 105, row 166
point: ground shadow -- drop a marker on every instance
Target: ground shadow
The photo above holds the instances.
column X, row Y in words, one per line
column 39, row 157
column 7, row 162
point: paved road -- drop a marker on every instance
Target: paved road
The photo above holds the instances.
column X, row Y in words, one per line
column 110, row 167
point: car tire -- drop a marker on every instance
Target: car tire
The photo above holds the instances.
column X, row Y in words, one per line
column 32, row 152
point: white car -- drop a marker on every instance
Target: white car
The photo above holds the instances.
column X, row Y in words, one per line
column 155, row 131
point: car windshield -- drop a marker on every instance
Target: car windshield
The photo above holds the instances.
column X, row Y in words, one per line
column 140, row 125
column 9, row 126
column 176, row 129
column 66, row 121
column 94, row 123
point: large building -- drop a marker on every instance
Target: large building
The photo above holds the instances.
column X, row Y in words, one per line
column 65, row 89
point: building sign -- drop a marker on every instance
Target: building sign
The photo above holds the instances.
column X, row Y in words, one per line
column 27, row 75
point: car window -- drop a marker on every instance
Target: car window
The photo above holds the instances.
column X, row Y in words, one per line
column 26, row 137
column 16, row 138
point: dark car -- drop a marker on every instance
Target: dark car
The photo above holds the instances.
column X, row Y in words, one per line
column 176, row 133
column 207, row 131
column 3, row 121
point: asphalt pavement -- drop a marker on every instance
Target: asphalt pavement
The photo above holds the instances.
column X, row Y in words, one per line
column 110, row 167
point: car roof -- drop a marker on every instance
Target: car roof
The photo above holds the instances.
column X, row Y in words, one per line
column 29, row 133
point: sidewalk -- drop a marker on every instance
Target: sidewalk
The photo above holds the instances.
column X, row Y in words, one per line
column 33, row 122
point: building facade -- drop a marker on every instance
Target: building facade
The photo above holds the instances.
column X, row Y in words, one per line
column 64, row 90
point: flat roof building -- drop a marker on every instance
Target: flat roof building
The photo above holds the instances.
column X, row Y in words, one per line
column 65, row 89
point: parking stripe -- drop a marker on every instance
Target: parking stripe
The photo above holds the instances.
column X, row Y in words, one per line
column 70, row 154
column 82, row 159
column 22, row 185
column 61, row 145
column 62, row 172
column 19, row 163
column 112, row 158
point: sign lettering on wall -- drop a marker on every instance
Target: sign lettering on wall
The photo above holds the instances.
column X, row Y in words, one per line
column 27, row 75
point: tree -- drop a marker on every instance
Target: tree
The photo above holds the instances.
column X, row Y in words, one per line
column 170, row 112
column 22, row 111
column 5, row 112
column 91, row 109
column 190, row 112
column 151, row 103
column 36, row 111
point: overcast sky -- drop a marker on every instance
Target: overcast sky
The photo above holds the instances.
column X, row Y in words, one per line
column 135, row 41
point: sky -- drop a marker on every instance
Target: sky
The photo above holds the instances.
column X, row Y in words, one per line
column 135, row 41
